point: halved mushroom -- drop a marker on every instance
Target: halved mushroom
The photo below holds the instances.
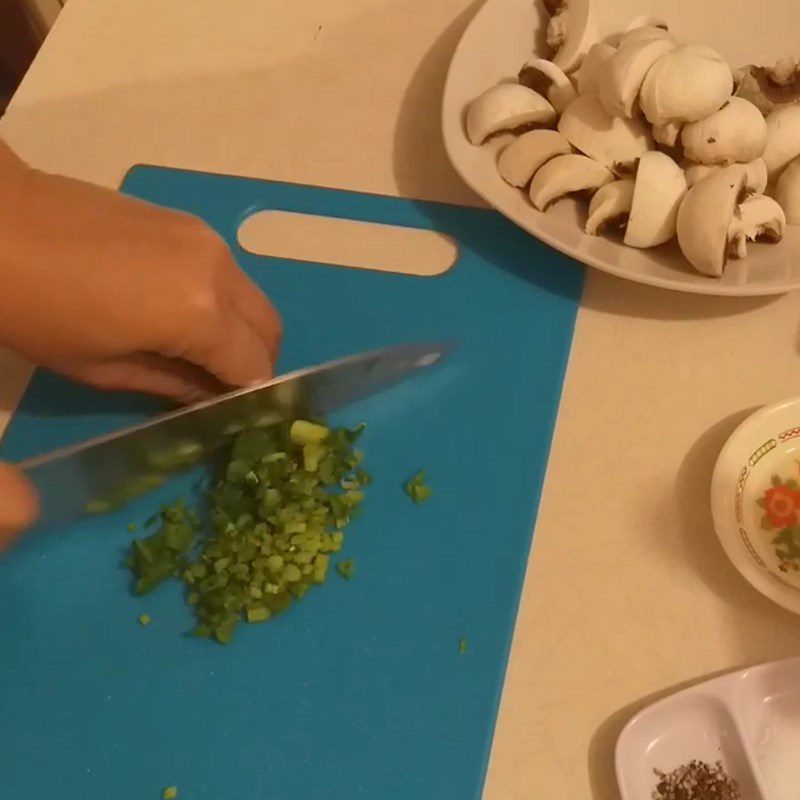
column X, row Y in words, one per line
column 759, row 219
column 783, row 140
column 787, row 192
column 686, row 84
column 523, row 158
column 770, row 88
column 566, row 175
column 646, row 30
column 624, row 72
column 505, row 107
column 755, row 174
column 613, row 141
column 737, row 133
column 610, row 207
column 659, row 189
column 550, row 81
column 705, row 218
column 586, row 78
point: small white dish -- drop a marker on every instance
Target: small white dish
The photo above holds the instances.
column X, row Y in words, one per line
column 748, row 720
column 753, row 526
column 500, row 39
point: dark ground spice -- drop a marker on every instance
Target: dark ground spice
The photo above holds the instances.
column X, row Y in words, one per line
column 696, row 780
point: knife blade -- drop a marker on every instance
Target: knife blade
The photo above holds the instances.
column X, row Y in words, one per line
column 104, row 473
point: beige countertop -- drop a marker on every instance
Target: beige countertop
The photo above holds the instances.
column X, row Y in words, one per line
column 628, row 594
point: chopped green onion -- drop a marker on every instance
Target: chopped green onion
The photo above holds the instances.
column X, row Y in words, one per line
column 132, row 527
column 416, row 488
column 170, row 793
column 463, row 646
column 304, row 433
column 346, row 568
column 144, row 620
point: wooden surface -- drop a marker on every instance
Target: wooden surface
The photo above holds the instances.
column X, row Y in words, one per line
column 628, row 594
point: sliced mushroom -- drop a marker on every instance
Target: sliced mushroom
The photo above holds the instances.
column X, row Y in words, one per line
column 787, row 192
column 759, row 219
column 705, row 218
column 550, row 81
column 610, row 207
column 523, row 158
column 668, row 134
column 737, row 133
column 624, row 72
column 612, row 141
column 506, row 107
column 770, row 88
column 783, row 140
column 755, row 174
column 566, row 175
column 660, row 186
column 686, row 84
column 586, row 78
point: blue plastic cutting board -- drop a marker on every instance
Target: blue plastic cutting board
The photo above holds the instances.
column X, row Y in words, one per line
column 359, row 691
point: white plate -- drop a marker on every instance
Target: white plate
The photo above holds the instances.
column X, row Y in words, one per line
column 766, row 444
column 500, row 39
column 749, row 720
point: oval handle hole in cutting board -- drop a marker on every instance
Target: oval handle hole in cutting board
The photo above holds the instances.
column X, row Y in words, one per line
column 347, row 243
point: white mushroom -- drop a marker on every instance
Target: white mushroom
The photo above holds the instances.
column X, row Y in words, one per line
column 586, row 78
column 687, row 84
column 737, row 133
column 505, row 107
column 612, row 141
column 755, row 174
column 783, row 139
column 770, row 88
column 659, row 189
column 623, row 74
column 787, row 192
column 565, row 175
column 667, row 133
column 705, row 218
column 759, row 219
column 610, row 207
column 549, row 80
column 523, row 158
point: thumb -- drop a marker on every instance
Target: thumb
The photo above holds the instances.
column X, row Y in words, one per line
column 19, row 505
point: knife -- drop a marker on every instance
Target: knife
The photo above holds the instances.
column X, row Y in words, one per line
column 103, row 474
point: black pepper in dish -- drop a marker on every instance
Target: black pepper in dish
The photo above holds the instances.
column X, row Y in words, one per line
column 696, row 780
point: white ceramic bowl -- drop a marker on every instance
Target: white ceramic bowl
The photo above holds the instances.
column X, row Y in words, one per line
column 766, row 445
column 497, row 43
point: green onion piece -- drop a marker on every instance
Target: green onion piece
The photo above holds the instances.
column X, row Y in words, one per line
column 346, row 568
column 131, row 526
column 304, row 433
column 258, row 614
column 170, row 793
column 416, row 488
column 144, row 620
column 463, row 646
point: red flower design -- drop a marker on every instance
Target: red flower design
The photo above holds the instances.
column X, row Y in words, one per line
column 782, row 504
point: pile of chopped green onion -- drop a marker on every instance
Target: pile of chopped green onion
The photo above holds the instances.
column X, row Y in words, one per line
column 278, row 512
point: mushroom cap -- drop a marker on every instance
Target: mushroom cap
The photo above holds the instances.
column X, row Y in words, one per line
column 769, row 88
column 623, row 74
column 646, row 31
column 522, row 159
column 705, row 217
column 688, row 83
column 505, row 107
column 548, row 79
column 787, row 192
column 610, row 206
column 586, row 78
column 613, row 141
column 737, row 133
column 668, row 133
column 783, row 139
column 755, row 171
column 659, row 189
column 565, row 175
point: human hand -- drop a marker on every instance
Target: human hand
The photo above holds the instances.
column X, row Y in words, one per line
column 18, row 504
column 121, row 294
